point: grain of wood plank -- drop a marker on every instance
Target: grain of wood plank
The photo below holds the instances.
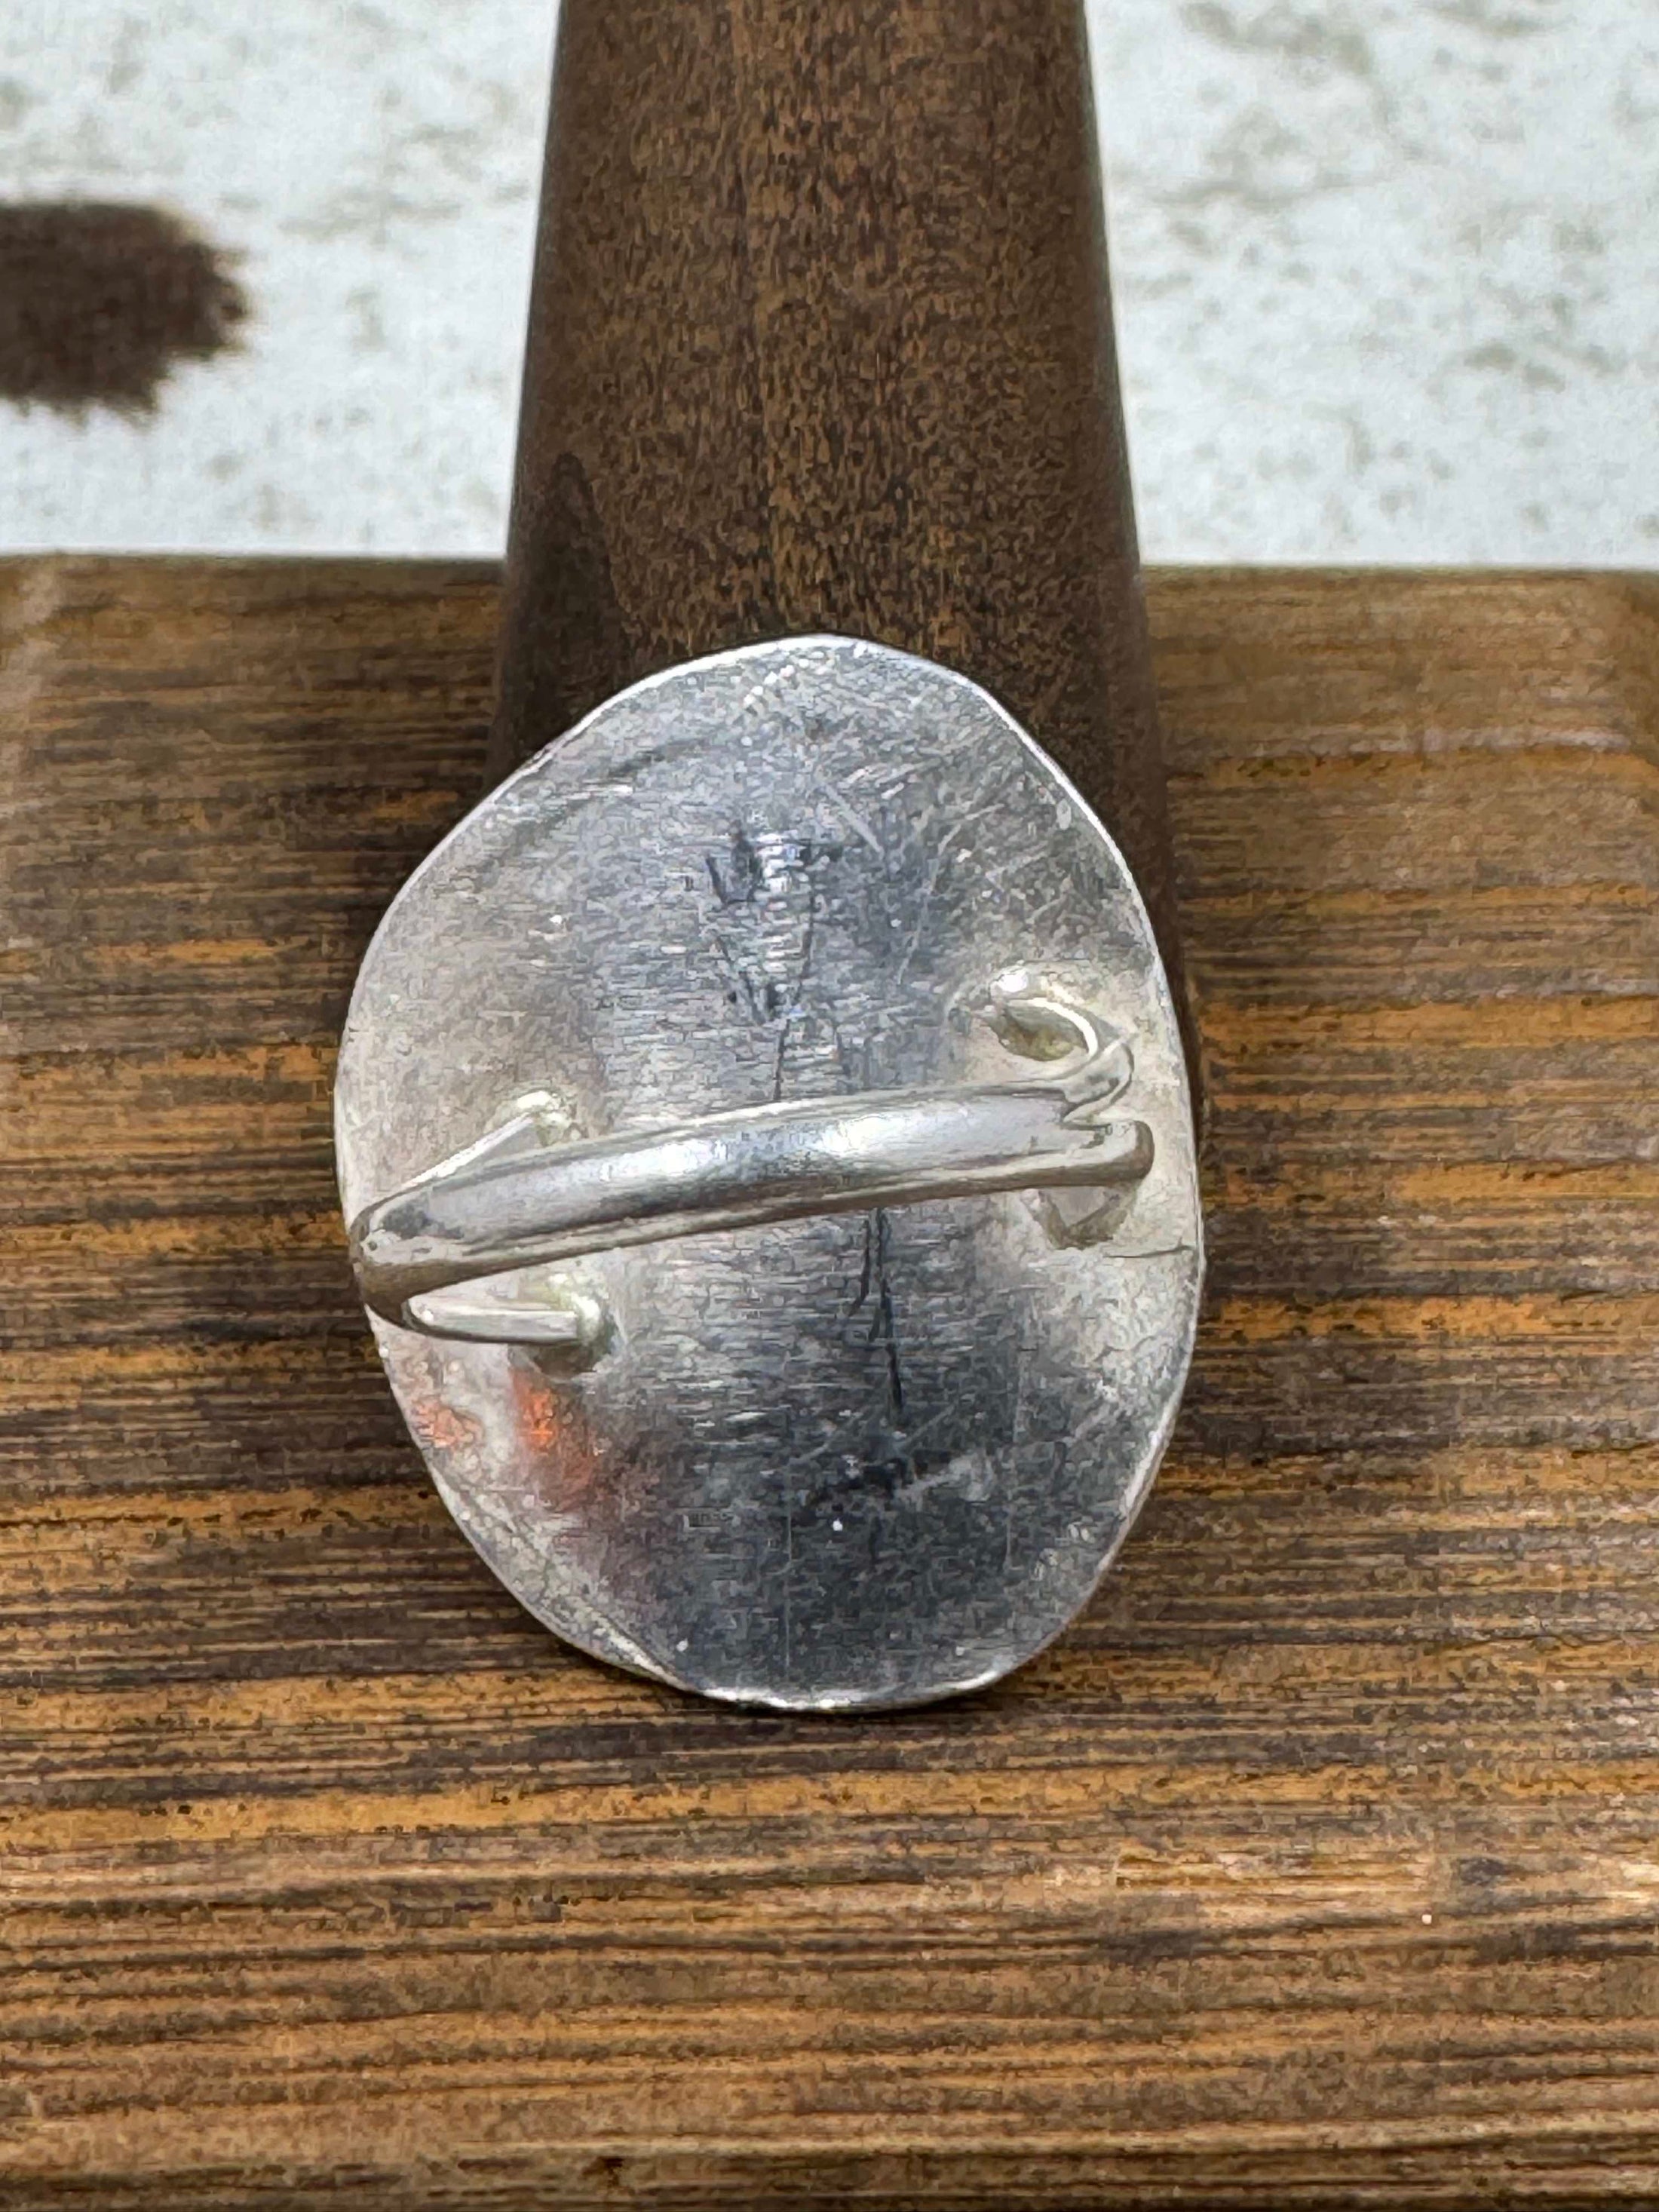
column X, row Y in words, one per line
column 1317, row 1866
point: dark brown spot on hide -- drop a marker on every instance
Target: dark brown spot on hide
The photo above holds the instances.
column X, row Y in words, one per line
column 98, row 302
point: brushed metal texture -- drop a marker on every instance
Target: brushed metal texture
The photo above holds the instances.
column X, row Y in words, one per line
column 846, row 1459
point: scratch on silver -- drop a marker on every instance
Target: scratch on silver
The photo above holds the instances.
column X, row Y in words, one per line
column 766, row 1142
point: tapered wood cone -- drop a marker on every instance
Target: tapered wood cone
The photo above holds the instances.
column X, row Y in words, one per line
column 821, row 339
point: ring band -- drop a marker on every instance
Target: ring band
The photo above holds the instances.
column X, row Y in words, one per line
column 511, row 1203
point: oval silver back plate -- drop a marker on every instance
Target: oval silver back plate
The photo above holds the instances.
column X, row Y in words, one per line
column 853, row 1458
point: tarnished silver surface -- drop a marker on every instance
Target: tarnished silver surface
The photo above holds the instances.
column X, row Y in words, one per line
column 678, row 971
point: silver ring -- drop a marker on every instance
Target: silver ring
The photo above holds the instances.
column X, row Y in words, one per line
column 793, row 942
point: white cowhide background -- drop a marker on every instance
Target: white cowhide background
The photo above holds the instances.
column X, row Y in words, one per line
column 1387, row 274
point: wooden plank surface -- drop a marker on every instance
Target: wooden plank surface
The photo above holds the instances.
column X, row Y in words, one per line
column 1318, row 1866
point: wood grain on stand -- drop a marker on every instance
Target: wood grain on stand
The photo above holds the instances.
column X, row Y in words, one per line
column 820, row 340
column 1315, row 1867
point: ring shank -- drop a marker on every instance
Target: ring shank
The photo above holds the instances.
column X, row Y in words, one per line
column 728, row 1171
